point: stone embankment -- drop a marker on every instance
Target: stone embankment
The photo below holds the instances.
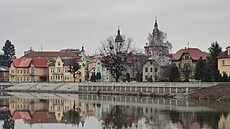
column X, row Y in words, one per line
column 218, row 93
column 154, row 89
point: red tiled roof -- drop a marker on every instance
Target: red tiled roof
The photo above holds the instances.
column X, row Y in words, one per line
column 25, row 62
column 49, row 54
column 195, row 54
column 21, row 115
column 42, row 117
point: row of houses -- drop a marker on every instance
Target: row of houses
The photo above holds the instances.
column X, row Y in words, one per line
column 153, row 65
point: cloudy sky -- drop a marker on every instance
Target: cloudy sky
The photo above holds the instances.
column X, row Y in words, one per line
column 57, row 24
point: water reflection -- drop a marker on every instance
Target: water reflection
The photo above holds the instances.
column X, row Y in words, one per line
column 106, row 112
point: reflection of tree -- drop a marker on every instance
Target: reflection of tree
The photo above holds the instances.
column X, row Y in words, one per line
column 187, row 71
column 8, row 123
column 74, row 115
column 114, row 119
column 187, row 118
column 210, row 118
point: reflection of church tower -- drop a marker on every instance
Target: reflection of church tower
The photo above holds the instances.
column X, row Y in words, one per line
column 157, row 42
column 119, row 42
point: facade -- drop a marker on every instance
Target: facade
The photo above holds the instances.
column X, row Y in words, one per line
column 134, row 65
column 224, row 61
column 151, row 70
column 105, row 73
column 28, row 70
column 59, row 71
column 186, row 59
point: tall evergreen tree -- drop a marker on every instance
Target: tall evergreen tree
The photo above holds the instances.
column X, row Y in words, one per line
column 174, row 74
column 212, row 61
column 9, row 53
column 200, row 70
column 207, row 75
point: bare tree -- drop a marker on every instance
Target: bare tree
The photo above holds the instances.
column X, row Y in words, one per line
column 115, row 53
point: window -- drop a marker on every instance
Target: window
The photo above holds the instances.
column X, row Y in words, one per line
column 155, row 69
column 66, row 77
column 59, row 63
column 52, row 70
column 66, row 70
column 146, row 77
column 59, row 108
column 223, row 62
column 51, row 77
column 146, row 69
column 151, row 69
column 59, row 70
column 186, row 57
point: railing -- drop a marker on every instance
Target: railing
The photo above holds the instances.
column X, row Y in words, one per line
column 114, row 87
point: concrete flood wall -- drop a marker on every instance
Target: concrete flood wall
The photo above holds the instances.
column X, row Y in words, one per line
column 111, row 87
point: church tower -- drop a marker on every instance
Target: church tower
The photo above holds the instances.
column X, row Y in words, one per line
column 119, row 42
column 157, row 45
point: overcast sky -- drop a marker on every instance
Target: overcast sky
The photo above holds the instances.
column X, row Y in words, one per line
column 58, row 24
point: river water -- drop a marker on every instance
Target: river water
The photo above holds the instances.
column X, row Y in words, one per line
column 82, row 111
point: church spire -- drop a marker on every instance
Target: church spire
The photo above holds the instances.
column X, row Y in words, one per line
column 118, row 37
column 155, row 25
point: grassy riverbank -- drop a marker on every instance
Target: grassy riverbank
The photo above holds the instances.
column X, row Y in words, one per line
column 218, row 93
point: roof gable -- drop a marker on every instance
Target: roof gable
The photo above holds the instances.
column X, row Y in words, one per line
column 195, row 54
column 26, row 62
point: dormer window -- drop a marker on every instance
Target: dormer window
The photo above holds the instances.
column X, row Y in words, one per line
column 59, row 63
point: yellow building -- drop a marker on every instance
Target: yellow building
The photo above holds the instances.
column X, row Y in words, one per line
column 224, row 61
column 59, row 71
column 28, row 70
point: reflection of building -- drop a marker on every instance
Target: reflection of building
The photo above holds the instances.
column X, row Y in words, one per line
column 61, row 107
column 28, row 70
column 224, row 122
column 25, row 104
column 224, row 61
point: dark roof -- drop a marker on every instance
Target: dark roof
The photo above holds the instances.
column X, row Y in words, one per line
column 47, row 54
column 224, row 55
column 195, row 54
column 67, row 62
